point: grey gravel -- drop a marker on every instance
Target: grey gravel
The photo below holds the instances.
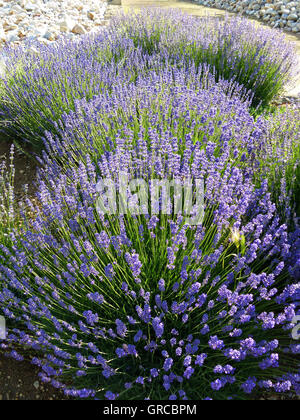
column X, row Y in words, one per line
column 283, row 14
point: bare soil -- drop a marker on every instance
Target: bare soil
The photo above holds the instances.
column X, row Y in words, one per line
column 25, row 168
column 20, row 381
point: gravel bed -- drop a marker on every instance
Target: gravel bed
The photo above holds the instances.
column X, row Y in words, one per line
column 46, row 20
column 277, row 13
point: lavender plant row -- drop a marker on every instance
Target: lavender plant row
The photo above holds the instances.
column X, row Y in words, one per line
column 38, row 88
column 142, row 304
column 259, row 58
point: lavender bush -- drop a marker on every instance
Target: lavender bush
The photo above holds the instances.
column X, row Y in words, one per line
column 281, row 159
column 258, row 58
column 40, row 87
column 264, row 148
column 147, row 306
column 37, row 99
column 44, row 85
column 152, row 104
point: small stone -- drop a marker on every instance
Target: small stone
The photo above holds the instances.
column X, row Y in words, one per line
column 51, row 36
column 91, row 15
column 292, row 4
column 16, row 9
column 256, row 7
column 19, row 18
column 43, row 40
column 78, row 29
column 12, row 36
column 21, row 34
column 9, row 26
column 292, row 16
column 66, row 25
column 30, row 7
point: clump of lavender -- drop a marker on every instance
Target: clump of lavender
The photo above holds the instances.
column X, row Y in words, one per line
column 51, row 84
column 146, row 305
column 206, row 120
column 152, row 106
column 42, row 87
column 39, row 87
column 265, row 148
column 280, row 155
column 259, row 58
